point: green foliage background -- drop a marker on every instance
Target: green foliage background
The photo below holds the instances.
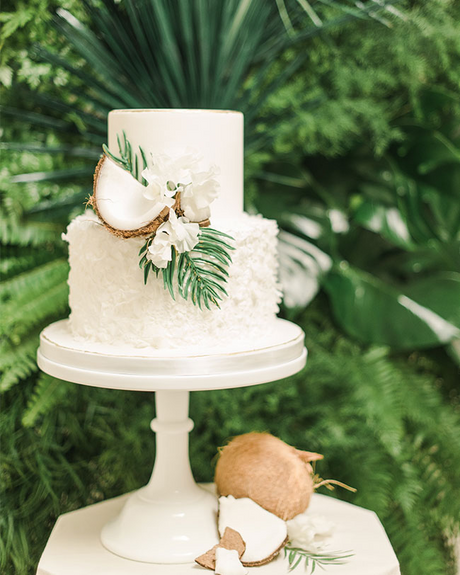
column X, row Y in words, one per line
column 366, row 124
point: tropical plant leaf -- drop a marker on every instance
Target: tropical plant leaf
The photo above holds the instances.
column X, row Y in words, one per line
column 386, row 221
column 373, row 311
column 34, row 282
column 302, row 265
column 438, row 292
column 29, row 233
column 200, row 274
column 127, row 158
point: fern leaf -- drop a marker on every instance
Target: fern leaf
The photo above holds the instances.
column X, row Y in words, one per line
column 46, row 393
column 36, row 281
column 19, row 320
column 17, row 361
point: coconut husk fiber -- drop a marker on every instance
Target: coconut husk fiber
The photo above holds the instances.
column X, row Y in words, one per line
column 270, row 472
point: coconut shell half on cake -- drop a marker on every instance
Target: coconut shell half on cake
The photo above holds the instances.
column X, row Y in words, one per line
column 270, row 472
column 118, row 200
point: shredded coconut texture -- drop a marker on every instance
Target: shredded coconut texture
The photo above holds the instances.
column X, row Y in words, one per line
column 110, row 303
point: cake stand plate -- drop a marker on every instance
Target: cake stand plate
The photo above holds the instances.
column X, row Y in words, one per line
column 279, row 354
column 74, row 547
column 171, row 520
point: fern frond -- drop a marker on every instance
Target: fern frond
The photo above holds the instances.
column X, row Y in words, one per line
column 28, row 284
column 46, row 393
column 201, row 273
column 17, row 363
column 17, row 321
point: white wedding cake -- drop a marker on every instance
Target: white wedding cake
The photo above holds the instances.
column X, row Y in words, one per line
column 200, row 154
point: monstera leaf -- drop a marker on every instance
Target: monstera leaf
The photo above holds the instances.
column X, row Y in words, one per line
column 375, row 312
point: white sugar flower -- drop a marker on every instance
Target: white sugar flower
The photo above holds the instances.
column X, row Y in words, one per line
column 167, row 176
column 159, row 252
column 169, row 173
column 183, row 234
column 176, row 233
column 199, row 194
column 309, row 532
column 158, row 190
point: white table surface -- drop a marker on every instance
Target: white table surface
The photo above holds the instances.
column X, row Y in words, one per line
column 74, row 547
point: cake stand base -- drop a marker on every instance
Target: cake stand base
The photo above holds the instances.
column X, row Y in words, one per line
column 75, row 548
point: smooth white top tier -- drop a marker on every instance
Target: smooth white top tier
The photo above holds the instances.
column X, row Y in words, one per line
column 216, row 135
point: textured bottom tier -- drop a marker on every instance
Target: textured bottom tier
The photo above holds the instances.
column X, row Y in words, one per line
column 110, row 303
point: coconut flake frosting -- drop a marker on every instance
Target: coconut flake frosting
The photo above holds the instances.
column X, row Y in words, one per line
column 110, row 303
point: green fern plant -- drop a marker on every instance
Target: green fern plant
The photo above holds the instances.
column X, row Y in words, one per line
column 47, row 393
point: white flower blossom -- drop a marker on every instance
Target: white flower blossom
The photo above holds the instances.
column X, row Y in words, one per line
column 199, row 194
column 198, row 188
column 176, row 233
column 157, row 190
column 167, row 176
column 183, row 234
column 160, row 250
column 309, row 532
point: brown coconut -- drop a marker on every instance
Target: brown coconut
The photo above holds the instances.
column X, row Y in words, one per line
column 148, row 229
column 270, row 472
column 230, row 540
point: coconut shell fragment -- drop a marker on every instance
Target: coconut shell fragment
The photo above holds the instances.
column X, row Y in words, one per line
column 119, row 202
column 264, row 533
column 231, row 540
column 270, row 472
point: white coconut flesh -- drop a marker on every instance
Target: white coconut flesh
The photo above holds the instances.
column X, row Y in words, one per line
column 228, row 562
column 120, row 198
column 263, row 532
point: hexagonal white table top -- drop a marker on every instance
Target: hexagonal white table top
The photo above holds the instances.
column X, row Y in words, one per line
column 74, row 547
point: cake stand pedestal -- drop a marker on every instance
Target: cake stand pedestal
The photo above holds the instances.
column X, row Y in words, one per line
column 171, row 520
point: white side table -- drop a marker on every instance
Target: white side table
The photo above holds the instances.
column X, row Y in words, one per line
column 75, row 548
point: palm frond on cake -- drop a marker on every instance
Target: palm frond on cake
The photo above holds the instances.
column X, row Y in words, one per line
column 127, row 158
column 200, row 274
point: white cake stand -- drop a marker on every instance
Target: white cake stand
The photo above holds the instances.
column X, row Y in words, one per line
column 170, row 520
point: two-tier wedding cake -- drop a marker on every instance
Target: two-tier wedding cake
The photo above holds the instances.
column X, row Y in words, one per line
column 137, row 284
